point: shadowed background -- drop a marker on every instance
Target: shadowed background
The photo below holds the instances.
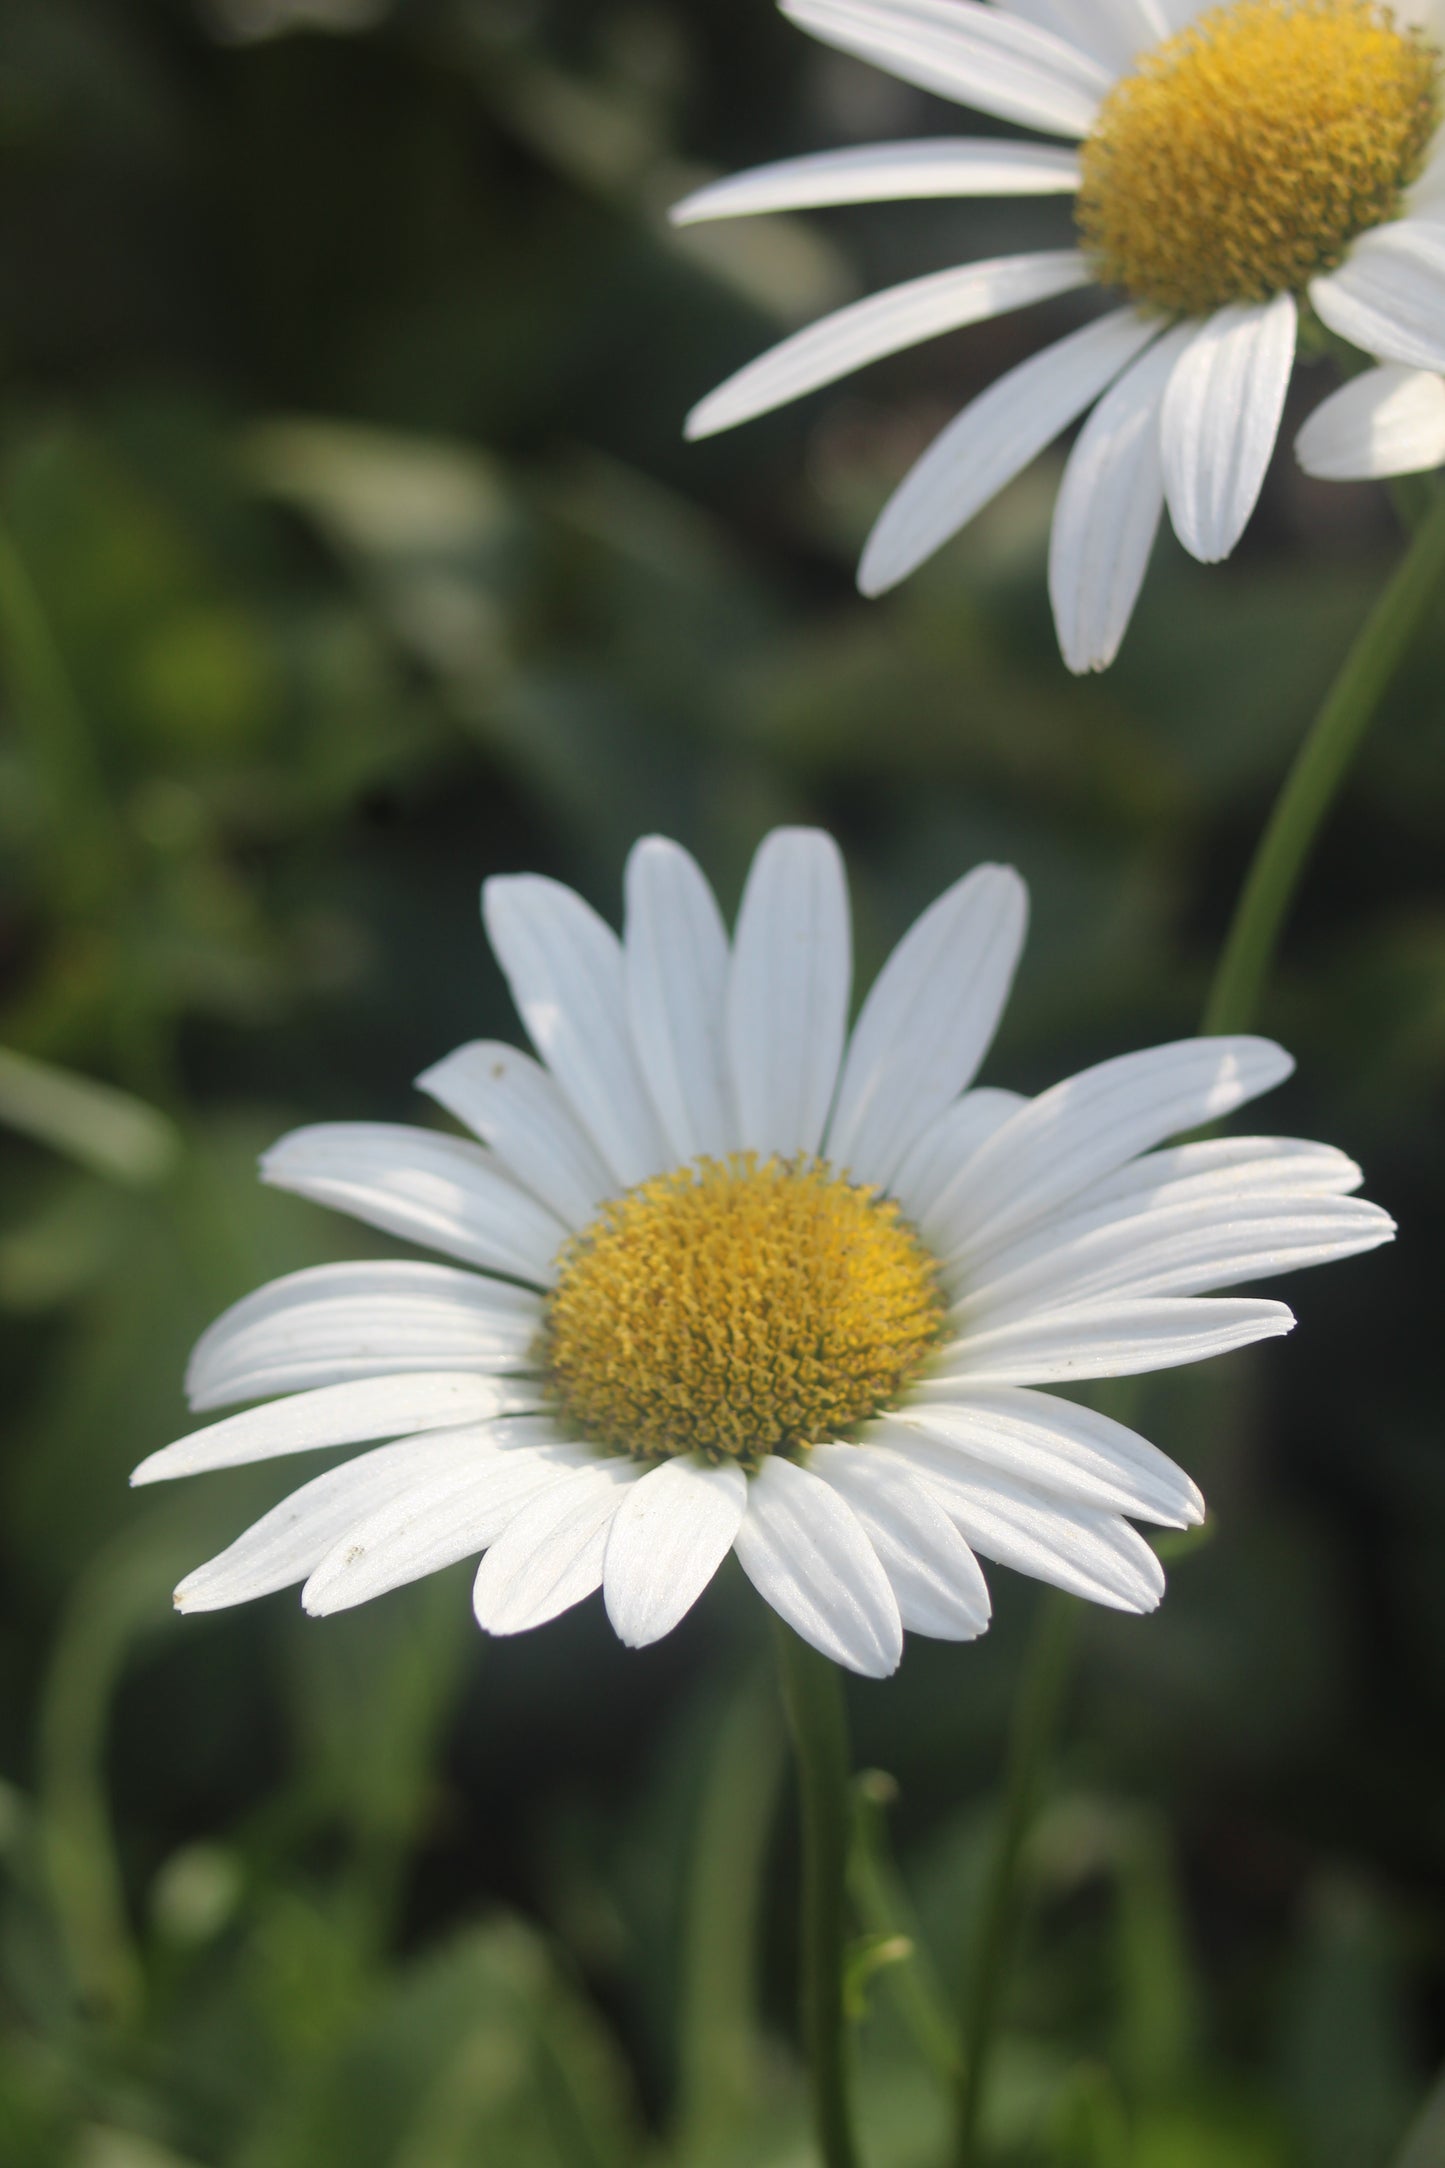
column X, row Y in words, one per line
column 349, row 552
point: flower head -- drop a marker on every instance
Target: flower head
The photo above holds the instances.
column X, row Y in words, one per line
column 1237, row 164
column 730, row 1277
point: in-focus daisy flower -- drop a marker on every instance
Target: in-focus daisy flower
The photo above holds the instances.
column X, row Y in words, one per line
column 729, row 1277
column 1235, row 165
column 1390, row 420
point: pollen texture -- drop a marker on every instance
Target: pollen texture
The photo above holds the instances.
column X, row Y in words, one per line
column 737, row 1308
column 1242, row 157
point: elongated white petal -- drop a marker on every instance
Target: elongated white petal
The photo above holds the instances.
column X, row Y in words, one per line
column 805, row 1552
column 1076, row 1547
column 928, row 1021
column 1388, row 296
column 1112, row 1339
column 676, row 951
column 1182, row 1249
column 1391, row 420
column 1113, row 32
column 1055, row 1447
column 442, row 1191
column 452, row 1514
column 949, row 1141
column 884, row 324
column 1219, row 1165
column 335, row 1322
column 1225, row 1176
column 787, row 1001
column 564, row 967
column 976, row 55
column 1083, row 1128
column 886, row 173
column 672, row 1532
column 993, row 439
column 383, row 1407
column 290, row 1541
column 1108, row 509
column 552, row 1554
column 512, row 1103
column 931, row 1570
column 1220, row 418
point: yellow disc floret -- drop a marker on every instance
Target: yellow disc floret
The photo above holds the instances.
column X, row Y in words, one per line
column 737, row 1308
column 1242, row 157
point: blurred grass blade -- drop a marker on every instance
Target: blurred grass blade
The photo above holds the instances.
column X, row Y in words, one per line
column 881, row 1903
column 104, row 1128
column 719, row 2045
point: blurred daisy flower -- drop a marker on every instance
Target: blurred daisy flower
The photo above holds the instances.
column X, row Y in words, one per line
column 1234, row 166
column 731, row 1278
column 1389, row 421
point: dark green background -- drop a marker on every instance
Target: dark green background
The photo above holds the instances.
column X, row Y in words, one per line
column 351, row 552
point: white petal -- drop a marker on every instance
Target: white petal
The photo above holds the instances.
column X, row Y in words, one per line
column 1234, row 1166
column 676, row 952
column 552, row 1554
column 1179, row 1249
column 787, row 1001
column 290, row 1541
column 672, row 1532
column 806, row 1554
column 884, row 324
column 450, row 1515
column 949, row 1141
column 1388, row 296
column 886, row 173
column 928, row 1021
column 1054, row 1446
column 564, row 967
column 384, row 1407
column 1220, row 419
column 931, row 1570
column 1224, row 1173
column 334, row 1322
column 1091, row 1554
column 975, row 55
column 1391, row 420
column 1108, row 510
column 993, row 439
column 445, row 1192
column 1112, row 1339
column 1114, row 32
column 1083, row 1128
column 511, row 1102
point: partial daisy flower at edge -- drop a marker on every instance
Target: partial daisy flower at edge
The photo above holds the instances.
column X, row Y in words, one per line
column 1235, row 167
column 1387, row 421
column 730, row 1277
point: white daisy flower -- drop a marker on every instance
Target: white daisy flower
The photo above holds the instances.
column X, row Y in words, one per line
column 1390, row 420
column 728, row 1277
column 1235, row 164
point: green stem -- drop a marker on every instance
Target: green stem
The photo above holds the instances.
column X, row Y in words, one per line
column 817, row 1721
column 1318, row 770
column 1304, row 800
column 1035, row 1716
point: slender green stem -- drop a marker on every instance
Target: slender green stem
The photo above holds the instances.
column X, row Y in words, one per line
column 1318, row 770
column 1304, row 800
column 1035, row 1716
column 817, row 1721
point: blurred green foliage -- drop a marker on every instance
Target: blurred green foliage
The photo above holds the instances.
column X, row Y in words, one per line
column 349, row 552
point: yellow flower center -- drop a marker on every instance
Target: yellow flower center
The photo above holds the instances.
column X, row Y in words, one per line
column 736, row 1309
column 1243, row 156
